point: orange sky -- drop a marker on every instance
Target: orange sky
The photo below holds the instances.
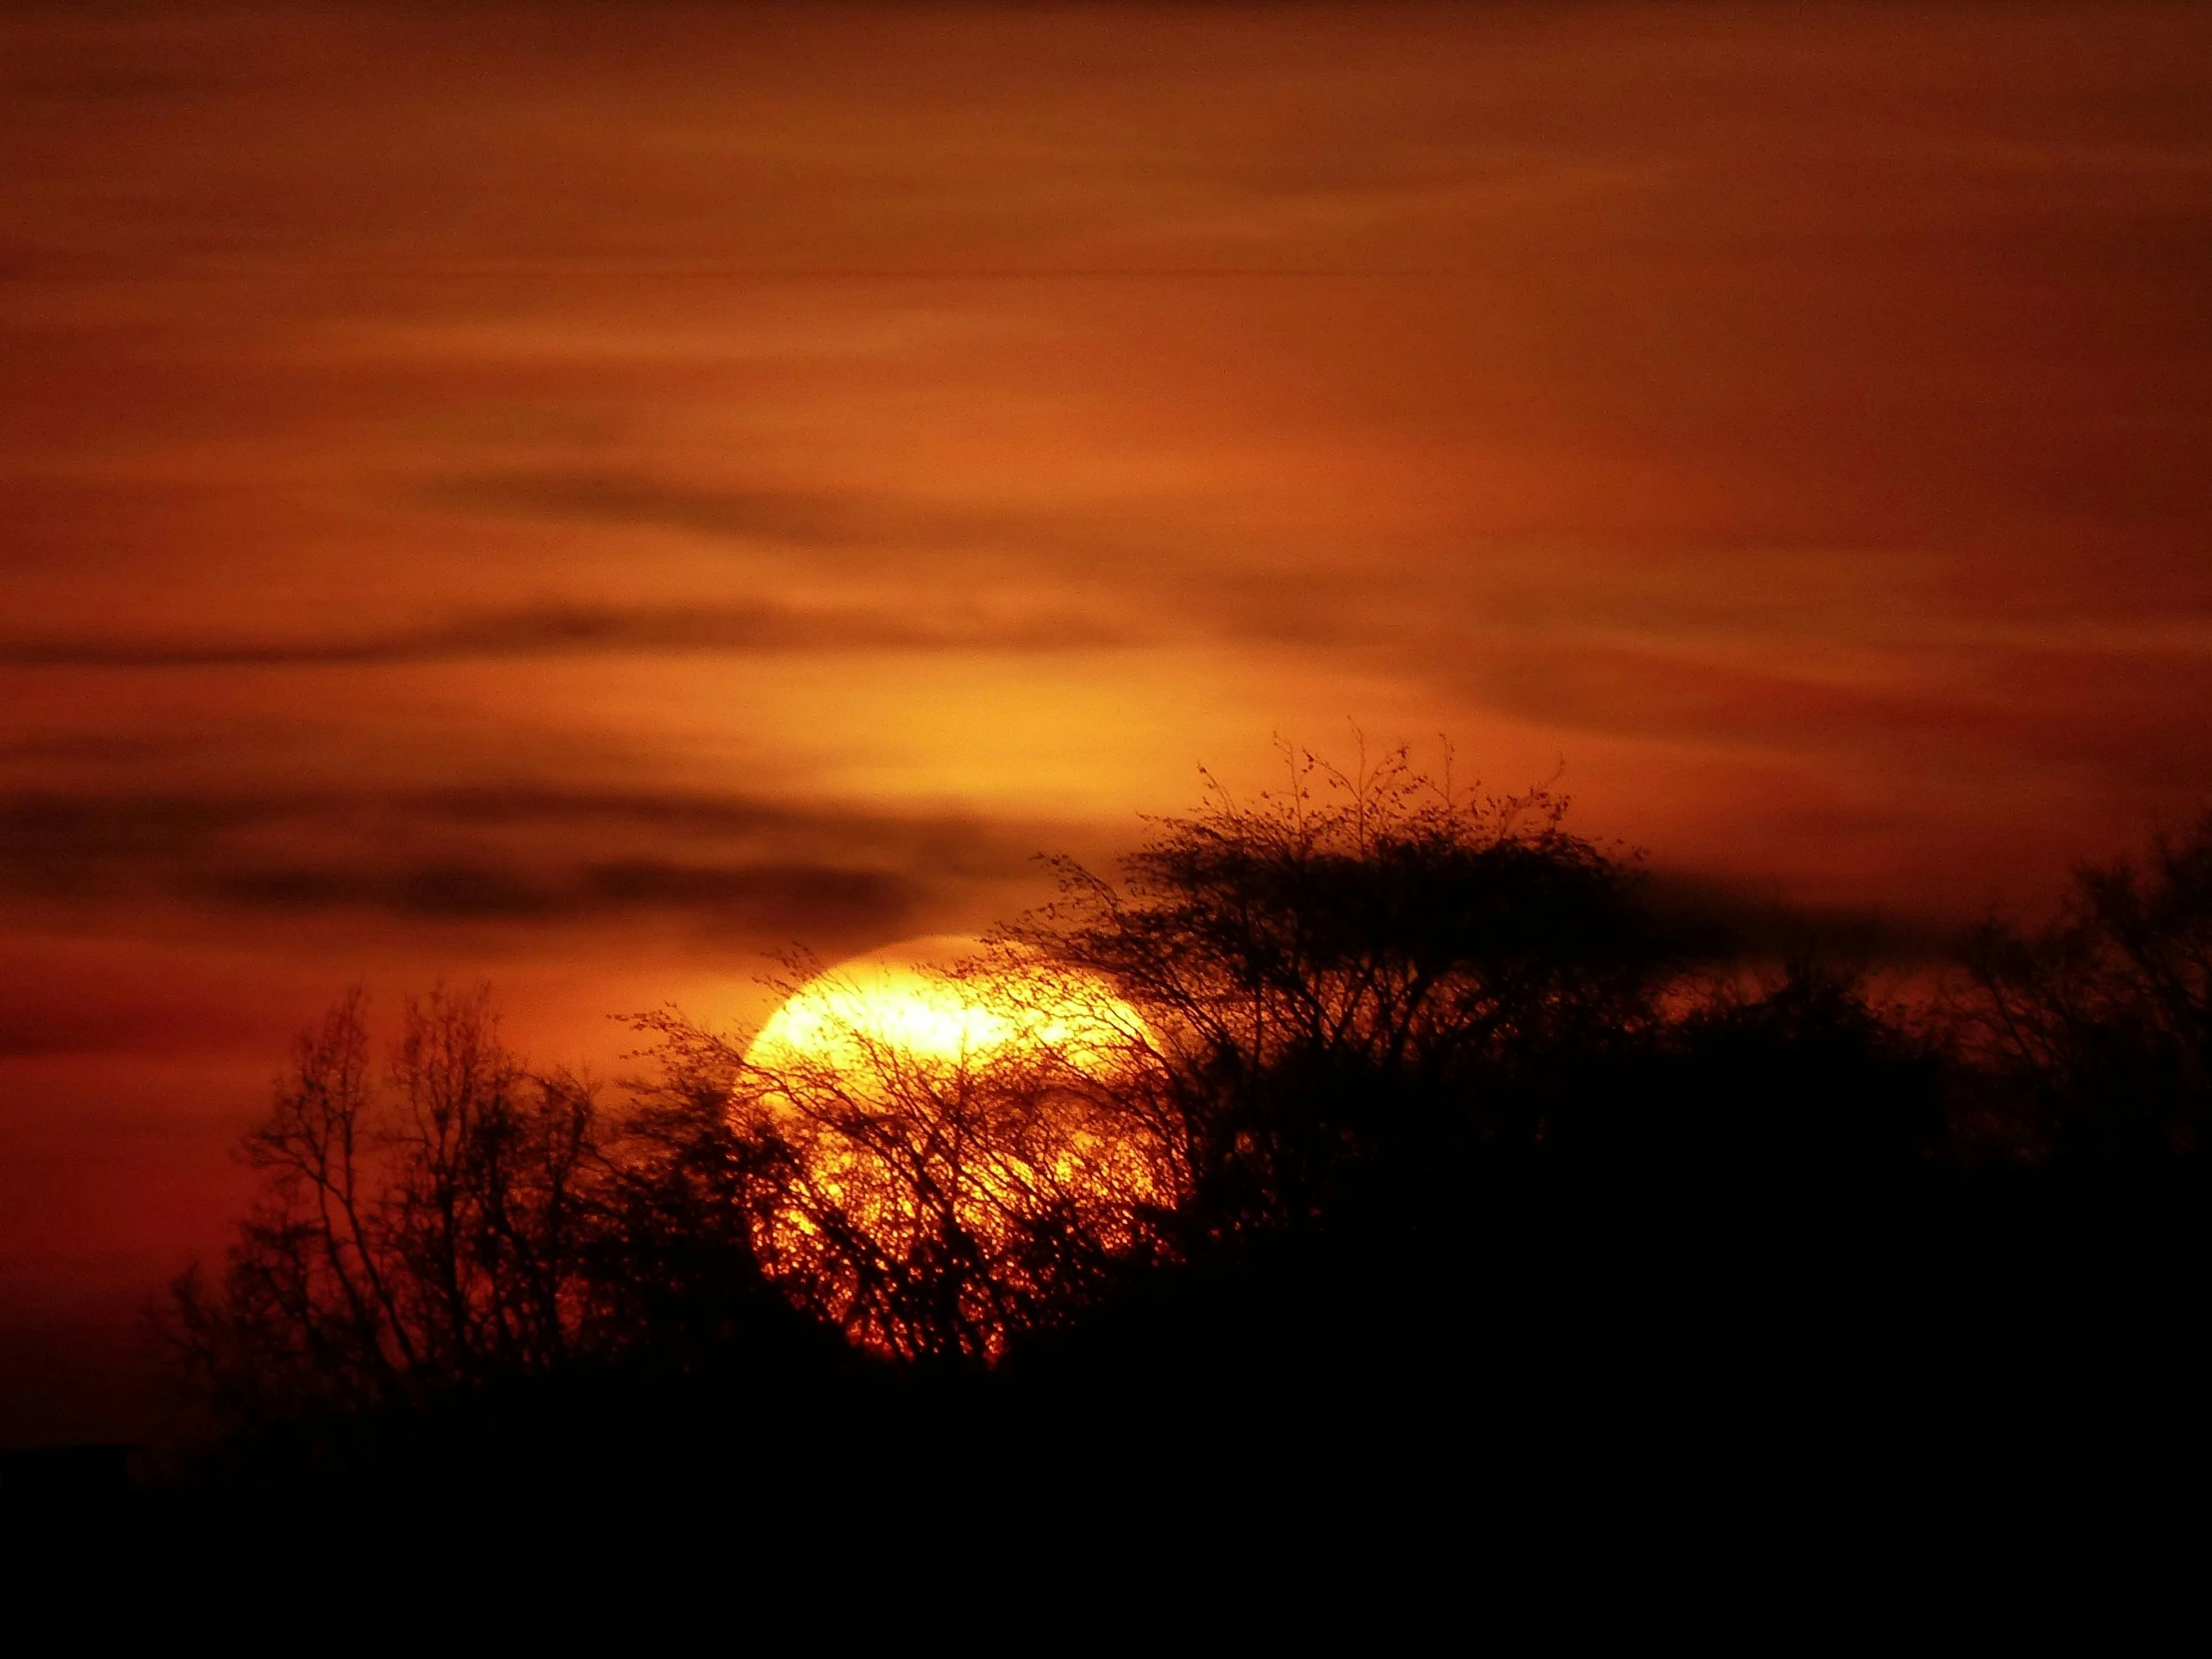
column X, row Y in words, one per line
column 580, row 495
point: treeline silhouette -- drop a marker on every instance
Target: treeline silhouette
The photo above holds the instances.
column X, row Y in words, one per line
column 1369, row 1123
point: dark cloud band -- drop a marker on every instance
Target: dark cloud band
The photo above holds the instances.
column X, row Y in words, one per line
column 580, row 630
column 488, row 853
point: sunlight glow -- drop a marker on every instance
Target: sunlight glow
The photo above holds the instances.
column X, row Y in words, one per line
column 861, row 1016
column 944, row 1123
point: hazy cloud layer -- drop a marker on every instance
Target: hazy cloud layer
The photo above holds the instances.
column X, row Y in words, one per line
column 523, row 855
column 1713, row 395
column 814, row 520
column 571, row 630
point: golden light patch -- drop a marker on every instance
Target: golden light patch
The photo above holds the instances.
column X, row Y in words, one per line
column 941, row 1125
column 856, row 1018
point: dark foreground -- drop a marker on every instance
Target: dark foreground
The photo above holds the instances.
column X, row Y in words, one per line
column 1599, row 1345
column 1443, row 1171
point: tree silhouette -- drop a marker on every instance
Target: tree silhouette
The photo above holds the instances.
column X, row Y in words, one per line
column 1364, row 1092
column 927, row 1202
column 449, row 1230
column 2095, row 1030
column 422, row 1227
column 1368, row 968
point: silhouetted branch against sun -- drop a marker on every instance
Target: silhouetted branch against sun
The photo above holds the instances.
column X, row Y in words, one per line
column 1091, row 1069
column 962, row 1148
column 1367, row 922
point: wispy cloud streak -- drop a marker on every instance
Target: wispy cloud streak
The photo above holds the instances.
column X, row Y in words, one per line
column 492, row 853
column 581, row 630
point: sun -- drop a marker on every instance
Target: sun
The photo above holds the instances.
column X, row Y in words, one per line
column 934, row 1004
column 936, row 1117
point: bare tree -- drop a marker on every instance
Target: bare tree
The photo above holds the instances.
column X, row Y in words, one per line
column 422, row 1226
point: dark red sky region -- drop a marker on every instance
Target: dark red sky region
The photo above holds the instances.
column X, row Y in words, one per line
column 582, row 496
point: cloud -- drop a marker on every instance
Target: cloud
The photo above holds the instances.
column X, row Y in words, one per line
column 1966, row 711
column 1721, row 922
column 483, row 855
column 584, row 630
column 861, row 522
column 777, row 897
column 808, row 519
column 1134, row 572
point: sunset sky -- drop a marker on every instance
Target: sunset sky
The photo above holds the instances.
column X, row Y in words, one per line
column 582, row 496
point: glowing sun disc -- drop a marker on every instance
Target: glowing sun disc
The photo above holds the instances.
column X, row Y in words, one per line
column 899, row 1004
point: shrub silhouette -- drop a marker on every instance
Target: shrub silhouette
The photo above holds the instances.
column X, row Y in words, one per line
column 2096, row 1031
